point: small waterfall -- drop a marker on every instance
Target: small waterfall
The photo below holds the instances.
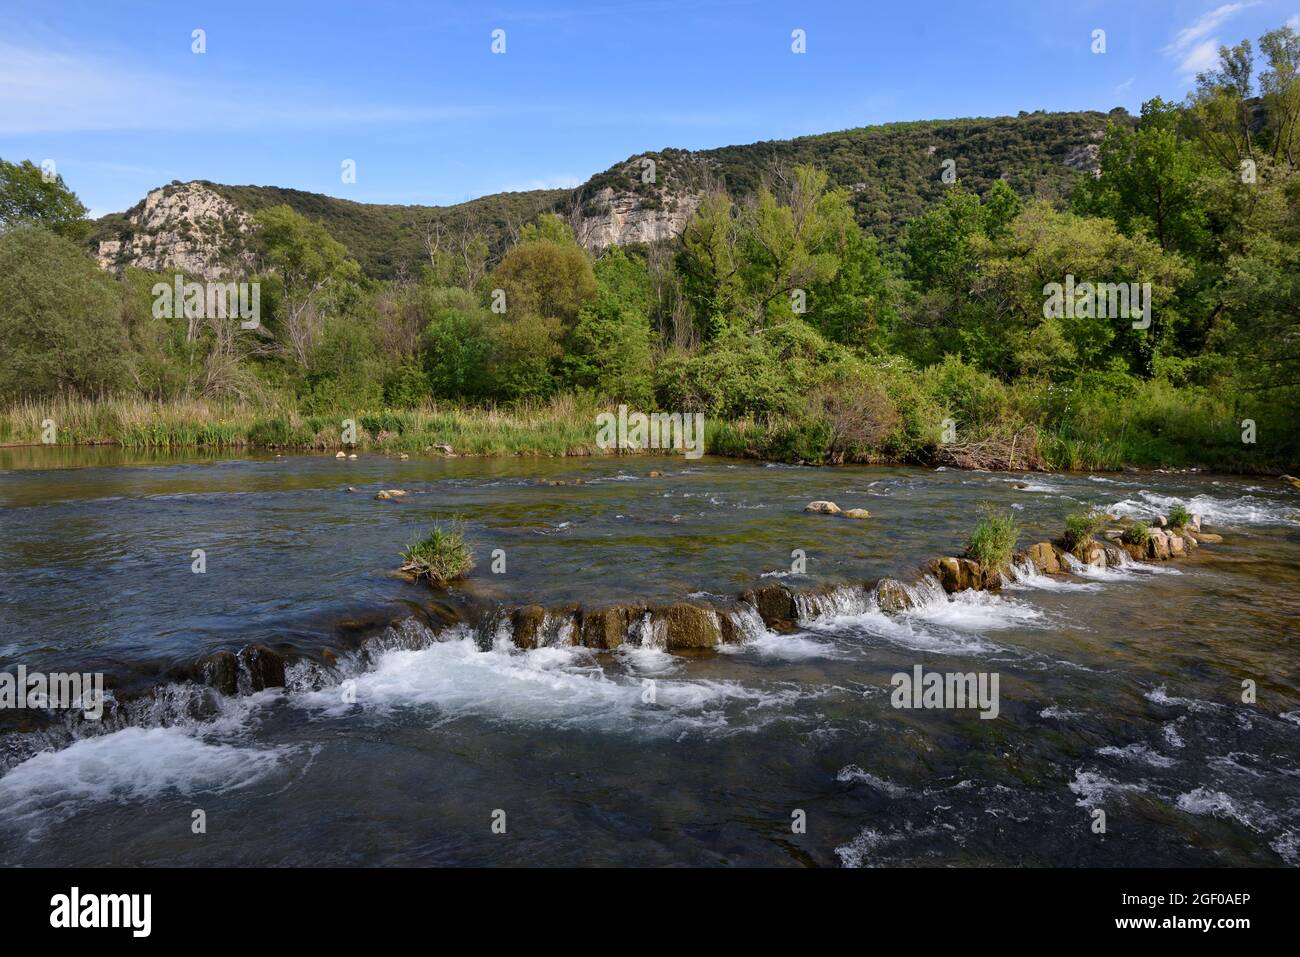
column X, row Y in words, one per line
column 746, row 623
column 840, row 601
column 926, row 592
column 649, row 632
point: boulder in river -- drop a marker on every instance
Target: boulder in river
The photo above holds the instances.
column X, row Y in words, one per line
column 774, row 603
column 892, row 596
column 605, row 628
column 822, row 508
column 527, row 623
column 264, row 667
column 1044, row 557
column 387, row 493
column 691, row 627
column 221, row 671
column 1209, row 538
column 1158, row 545
column 856, row 513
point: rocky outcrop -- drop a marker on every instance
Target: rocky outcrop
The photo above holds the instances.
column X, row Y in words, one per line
column 184, row 227
column 617, row 218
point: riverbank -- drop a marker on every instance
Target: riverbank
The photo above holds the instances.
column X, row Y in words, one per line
column 565, row 426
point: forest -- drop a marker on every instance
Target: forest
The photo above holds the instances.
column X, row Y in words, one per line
column 802, row 334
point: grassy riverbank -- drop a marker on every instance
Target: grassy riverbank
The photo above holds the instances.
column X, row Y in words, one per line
column 1171, row 431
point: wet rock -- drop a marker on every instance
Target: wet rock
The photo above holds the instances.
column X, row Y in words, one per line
column 1113, row 534
column 402, row 455
column 691, row 627
column 221, row 671
column 444, row 449
column 1044, row 557
column 1159, row 521
column 1114, row 554
column 387, row 493
column 654, row 473
column 264, row 667
column 341, row 455
column 1176, row 546
column 892, row 596
column 822, row 508
column 952, row 574
column 856, row 513
column 774, row 602
column 1091, row 553
column 1194, row 524
column 1295, row 482
column 1209, row 538
column 1158, row 545
column 606, row 628
column 527, row 624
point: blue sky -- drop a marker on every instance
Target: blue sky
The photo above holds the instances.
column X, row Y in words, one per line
column 285, row 92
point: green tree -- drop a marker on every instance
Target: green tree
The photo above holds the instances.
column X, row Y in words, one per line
column 61, row 328
column 27, row 195
column 316, row 276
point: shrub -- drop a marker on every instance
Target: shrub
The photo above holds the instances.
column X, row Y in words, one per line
column 1178, row 517
column 441, row 556
column 994, row 538
column 1081, row 526
column 1137, row 534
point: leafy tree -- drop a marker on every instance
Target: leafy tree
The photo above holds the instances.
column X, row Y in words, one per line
column 27, row 196
column 547, row 274
column 316, row 276
column 61, row 329
column 1150, row 182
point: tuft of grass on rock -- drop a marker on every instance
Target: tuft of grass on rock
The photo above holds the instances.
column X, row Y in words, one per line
column 1136, row 534
column 1081, row 526
column 441, row 556
column 1179, row 517
column 993, row 539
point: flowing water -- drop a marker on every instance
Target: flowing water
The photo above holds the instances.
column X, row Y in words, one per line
column 405, row 732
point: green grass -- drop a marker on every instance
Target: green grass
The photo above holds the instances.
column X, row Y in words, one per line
column 993, row 539
column 441, row 556
column 1137, row 534
column 1179, row 517
column 1081, row 526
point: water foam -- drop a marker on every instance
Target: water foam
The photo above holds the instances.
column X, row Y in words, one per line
column 1228, row 512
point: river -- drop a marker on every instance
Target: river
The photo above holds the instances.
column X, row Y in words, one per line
column 1121, row 690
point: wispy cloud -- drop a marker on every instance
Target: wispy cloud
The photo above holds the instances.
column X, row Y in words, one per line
column 1195, row 46
column 48, row 91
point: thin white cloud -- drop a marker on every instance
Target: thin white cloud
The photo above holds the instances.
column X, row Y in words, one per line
column 1124, row 87
column 1195, row 46
column 1294, row 21
column 45, row 91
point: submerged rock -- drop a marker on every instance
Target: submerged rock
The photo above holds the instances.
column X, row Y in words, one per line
column 387, row 493
column 1209, row 538
column 822, row 508
column 856, row 513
